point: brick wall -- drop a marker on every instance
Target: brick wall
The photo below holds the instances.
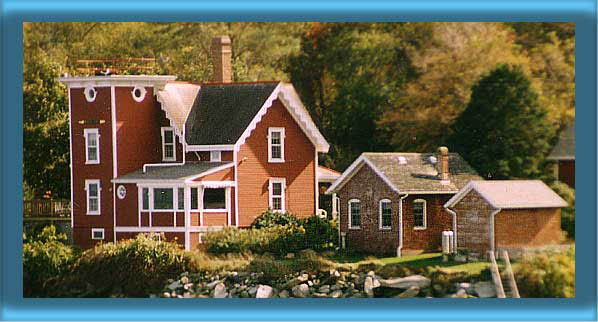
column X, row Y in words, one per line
column 473, row 223
column 528, row 227
column 370, row 189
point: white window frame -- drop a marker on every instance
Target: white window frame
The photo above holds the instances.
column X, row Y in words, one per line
column 87, row 184
column 271, row 197
column 349, row 213
column 151, row 187
column 164, row 158
column 380, row 221
column 282, row 135
column 86, row 133
column 94, row 230
column 203, row 204
column 215, row 156
column 425, row 208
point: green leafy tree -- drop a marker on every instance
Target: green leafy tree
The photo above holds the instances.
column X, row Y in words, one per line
column 45, row 128
column 504, row 132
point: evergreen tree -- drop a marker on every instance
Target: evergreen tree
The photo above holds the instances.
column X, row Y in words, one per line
column 504, row 132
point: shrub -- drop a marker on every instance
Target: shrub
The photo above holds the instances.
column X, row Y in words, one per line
column 270, row 218
column 320, row 234
column 134, row 268
column 277, row 240
column 45, row 258
column 568, row 213
column 547, row 275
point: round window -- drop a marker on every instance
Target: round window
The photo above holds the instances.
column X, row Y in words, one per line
column 90, row 94
column 121, row 192
column 138, row 93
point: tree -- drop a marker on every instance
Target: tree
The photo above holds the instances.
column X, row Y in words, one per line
column 504, row 132
column 45, row 128
column 348, row 75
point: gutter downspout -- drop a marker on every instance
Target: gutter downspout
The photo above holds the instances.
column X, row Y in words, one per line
column 452, row 212
column 169, row 164
column 400, row 248
column 492, row 214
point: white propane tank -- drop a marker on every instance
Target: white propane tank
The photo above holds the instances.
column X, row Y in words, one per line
column 446, row 242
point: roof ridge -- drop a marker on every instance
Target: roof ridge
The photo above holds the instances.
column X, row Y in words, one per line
column 241, row 83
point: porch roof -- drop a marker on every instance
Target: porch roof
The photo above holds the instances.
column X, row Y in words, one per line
column 172, row 172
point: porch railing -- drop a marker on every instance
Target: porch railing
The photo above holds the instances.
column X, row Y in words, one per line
column 46, row 208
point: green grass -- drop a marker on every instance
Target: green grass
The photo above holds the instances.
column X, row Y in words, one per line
column 416, row 261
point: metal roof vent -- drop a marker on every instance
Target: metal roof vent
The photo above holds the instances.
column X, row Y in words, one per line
column 402, row 160
column 433, row 159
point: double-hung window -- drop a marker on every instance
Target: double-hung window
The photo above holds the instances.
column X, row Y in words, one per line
column 168, row 146
column 385, row 214
column 93, row 189
column 276, row 194
column 276, row 144
column 92, row 146
column 419, row 214
column 354, row 214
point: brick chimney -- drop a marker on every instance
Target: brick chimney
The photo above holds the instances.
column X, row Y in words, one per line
column 221, row 59
column 442, row 155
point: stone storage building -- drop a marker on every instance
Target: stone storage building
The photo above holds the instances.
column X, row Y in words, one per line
column 390, row 202
column 505, row 214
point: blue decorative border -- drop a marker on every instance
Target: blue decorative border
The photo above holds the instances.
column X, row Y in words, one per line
column 15, row 12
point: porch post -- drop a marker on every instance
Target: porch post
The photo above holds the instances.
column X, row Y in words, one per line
column 187, row 216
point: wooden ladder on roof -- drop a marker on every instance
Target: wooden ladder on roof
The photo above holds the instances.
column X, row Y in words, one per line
column 505, row 283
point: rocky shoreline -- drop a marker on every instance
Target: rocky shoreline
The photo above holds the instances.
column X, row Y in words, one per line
column 327, row 284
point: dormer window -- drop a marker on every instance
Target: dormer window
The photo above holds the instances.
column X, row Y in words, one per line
column 90, row 94
column 138, row 93
column 168, row 146
column 275, row 144
column 215, row 156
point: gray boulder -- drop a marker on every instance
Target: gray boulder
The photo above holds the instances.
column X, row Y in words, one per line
column 406, row 282
column 220, row 291
column 410, row 292
column 485, row 289
column 264, row 292
column 301, row 290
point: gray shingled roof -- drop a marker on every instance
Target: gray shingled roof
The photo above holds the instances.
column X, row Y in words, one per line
column 222, row 112
column 175, row 172
column 565, row 147
column 419, row 173
column 513, row 194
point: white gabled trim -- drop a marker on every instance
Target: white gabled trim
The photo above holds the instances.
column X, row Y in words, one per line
column 290, row 100
column 220, row 147
column 380, row 221
column 86, row 133
column 258, row 117
column 352, row 170
column 425, row 226
column 97, row 230
column 205, row 173
column 463, row 192
column 154, row 229
column 350, row 223
column 113, row 112
column 271, row 130
column 71, row 156
column 283, row 192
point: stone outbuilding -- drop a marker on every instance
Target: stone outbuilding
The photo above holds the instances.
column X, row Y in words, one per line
column 505, row 214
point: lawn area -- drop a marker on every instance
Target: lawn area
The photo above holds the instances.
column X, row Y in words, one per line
column 422, row 260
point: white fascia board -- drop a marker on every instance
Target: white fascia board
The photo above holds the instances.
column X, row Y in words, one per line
column 117, row 80
column 149, row 181
column 219, row 147
column 153, row 229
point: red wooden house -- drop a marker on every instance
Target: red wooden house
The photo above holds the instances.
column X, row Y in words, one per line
column 152, row 155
